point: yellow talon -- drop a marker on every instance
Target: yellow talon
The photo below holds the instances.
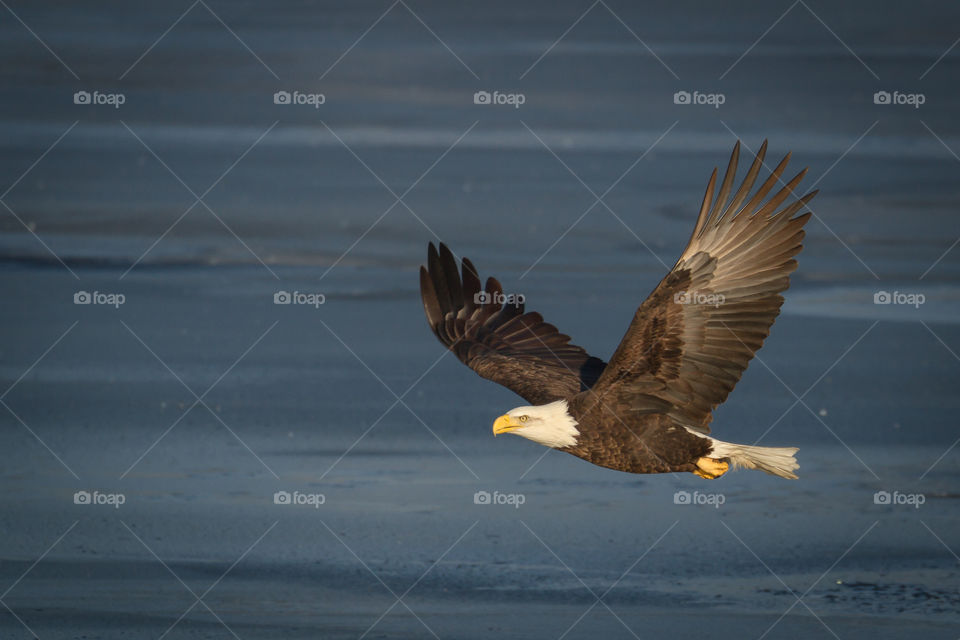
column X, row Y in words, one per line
column 711, row 468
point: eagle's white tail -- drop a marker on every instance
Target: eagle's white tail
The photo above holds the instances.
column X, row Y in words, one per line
column 778, row 461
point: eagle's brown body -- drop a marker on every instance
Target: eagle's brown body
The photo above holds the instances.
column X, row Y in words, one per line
column 647, row 444
column 648, row 410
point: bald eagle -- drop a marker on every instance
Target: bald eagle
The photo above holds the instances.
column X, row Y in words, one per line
column 648, row 409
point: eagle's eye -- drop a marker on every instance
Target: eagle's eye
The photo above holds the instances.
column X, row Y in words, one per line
column 523, row 418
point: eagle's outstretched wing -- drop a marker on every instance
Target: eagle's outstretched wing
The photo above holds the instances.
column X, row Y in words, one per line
column 496, row 338
column 693, row 337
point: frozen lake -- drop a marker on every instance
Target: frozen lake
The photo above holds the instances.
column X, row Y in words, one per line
column 182, row 412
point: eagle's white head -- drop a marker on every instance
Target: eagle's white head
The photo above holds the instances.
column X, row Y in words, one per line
column 548, row 424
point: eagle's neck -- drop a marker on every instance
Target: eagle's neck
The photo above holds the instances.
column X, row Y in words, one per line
column 554, row 428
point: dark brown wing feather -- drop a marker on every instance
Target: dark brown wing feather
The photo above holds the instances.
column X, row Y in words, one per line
column 693, row 337
column 501, row 342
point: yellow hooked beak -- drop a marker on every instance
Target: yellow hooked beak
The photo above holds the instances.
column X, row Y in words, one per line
column 504, row 424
